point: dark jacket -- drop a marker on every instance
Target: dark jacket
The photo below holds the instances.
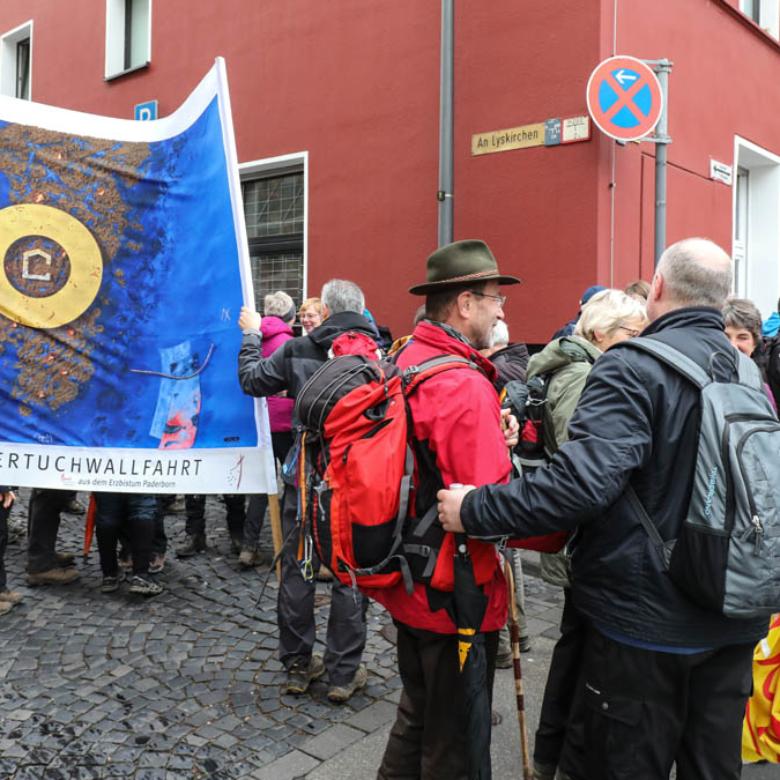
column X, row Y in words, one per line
column 511, row 362
column 637, row 421
column 296, row 360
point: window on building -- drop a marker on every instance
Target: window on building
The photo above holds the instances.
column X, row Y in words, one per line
column 274, row 212
column 765, row 13
column 128, row 35
column 16, row 62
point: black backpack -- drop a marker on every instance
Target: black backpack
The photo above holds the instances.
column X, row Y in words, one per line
column 770, row 365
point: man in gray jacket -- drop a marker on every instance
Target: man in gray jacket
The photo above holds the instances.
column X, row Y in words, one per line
column 664, row 680
column 287, row 369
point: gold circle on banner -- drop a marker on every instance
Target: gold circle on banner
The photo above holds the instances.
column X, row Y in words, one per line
column 86, row 266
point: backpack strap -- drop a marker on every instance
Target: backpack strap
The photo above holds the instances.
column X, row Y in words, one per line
column 415, row 375
column 672, row 357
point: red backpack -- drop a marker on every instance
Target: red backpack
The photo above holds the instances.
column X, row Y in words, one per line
column 356, row 468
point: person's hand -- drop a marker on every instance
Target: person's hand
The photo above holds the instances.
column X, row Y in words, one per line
column 8, row 498
column 249, row 319
column 510, row 427
column 449, row 507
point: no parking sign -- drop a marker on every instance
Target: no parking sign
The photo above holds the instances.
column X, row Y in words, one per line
column 624, row 98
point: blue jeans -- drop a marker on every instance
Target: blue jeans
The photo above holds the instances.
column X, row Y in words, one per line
column 129, row 513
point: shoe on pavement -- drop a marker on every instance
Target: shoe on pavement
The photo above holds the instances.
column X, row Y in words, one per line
column 301, row 674
column 247, row 557
column 342, row 693
column 157, row 564
column 195, row 544
column 176, row 507
column 544, row 771
column 10, row 597
column 145, row 587
column 504, row 660
column 236, row 545
column 5, row 606
column 75, row 507
column 65, row 559
column 55, row 576
column 109, row 584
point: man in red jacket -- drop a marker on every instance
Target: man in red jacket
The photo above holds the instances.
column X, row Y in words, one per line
column 458, row 439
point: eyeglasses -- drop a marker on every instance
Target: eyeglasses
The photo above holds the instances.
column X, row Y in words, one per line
column 633, row 332
column 500, row 298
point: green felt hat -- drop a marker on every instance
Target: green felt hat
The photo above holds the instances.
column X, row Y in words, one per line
column 461, row 263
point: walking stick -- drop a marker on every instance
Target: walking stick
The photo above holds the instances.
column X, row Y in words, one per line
column 514, row 633
column 276, row 531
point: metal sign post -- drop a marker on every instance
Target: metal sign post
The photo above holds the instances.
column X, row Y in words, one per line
column 662, row 140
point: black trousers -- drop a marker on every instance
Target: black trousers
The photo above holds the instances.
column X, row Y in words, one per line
column 195, row 506
column 557, row 722
column 427, row 739
column 646, row 710
column 255, row 513
column 3, row 544
column 131, row 513
column 43, row 523
column 346, row 634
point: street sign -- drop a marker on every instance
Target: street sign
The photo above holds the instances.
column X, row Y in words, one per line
column 145, row 112
column 624, row 98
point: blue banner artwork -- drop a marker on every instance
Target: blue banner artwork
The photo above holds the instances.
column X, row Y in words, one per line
column 123, row 267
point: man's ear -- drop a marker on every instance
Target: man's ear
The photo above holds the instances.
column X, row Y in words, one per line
column 656, row 286
column 464, row 302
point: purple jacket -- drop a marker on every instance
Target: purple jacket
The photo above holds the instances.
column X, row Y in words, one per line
column 275, row 332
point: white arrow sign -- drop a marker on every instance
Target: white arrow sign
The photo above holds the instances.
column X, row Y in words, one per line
column 622, row 76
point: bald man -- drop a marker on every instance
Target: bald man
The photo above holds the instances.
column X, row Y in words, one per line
column 664, row 681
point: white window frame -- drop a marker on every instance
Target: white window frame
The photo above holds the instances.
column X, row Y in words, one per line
column 8, row 43
column 760, row 280
column 115, row 40
column 768, row 15
column 263, row 167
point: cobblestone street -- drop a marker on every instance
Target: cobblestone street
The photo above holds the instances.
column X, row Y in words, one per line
column 187, row 684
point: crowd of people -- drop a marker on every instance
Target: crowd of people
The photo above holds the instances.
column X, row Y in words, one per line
column 642, row 678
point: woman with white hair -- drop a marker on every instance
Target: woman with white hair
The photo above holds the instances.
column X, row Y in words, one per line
column 276, row 328
column 608, row 317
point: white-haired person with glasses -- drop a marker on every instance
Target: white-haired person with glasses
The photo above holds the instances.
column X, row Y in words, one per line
column 608, row 317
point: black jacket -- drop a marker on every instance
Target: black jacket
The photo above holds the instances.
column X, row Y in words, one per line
column 636, row 420
column 511, row 362
column 296, row 360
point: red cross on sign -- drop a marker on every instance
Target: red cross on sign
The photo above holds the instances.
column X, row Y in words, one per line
column 624, row 98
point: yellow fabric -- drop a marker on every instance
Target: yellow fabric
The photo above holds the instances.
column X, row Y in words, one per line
column 761, row 727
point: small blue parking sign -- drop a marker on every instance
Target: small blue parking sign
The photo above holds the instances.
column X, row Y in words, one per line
column 145, row 112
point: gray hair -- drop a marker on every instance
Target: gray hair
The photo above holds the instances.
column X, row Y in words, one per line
column 697, row 272
column 279, row 304
column 743, row 314
column 341, row 295
column 499, row 336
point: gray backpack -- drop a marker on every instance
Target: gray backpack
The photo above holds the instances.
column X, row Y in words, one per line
column 727, row 555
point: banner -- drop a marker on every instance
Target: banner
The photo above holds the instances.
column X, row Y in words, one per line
column 123, row 267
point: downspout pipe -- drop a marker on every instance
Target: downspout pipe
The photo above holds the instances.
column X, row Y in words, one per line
column 446, row 162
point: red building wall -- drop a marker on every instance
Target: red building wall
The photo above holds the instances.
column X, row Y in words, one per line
column 356, row 85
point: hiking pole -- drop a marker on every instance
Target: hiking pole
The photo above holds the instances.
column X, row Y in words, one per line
column 276, row 531
column 514, row 633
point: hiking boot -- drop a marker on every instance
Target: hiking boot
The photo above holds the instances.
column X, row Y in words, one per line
column 544, row 771
column 75, row 507
column 157, row 564
column 65, row 559
column 247, row 557
column 109, row 584
column 195, row 544
column 56, row 576
column 10, row 597
column 235, row 545
column 145, row 587
column 341, row 693
column 176, row 507
column 504, row 659
column 525, row 644
column 5, row 606
column 300, row 675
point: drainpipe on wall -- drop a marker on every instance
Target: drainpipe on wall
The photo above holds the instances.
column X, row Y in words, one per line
column 445, row 193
